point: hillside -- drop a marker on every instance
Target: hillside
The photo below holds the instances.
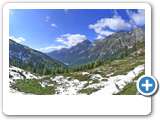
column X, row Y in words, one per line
column 31, row 60
column 116, row 76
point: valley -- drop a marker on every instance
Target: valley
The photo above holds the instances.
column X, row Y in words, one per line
column 110, row 66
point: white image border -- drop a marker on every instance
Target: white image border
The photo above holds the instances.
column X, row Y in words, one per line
column 18, row 104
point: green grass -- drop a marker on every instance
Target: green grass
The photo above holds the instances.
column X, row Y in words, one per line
column 33, row 87
column 136, row 78
column 119, row 66
column 129, row 89
column 80, row 77
column 88, row 91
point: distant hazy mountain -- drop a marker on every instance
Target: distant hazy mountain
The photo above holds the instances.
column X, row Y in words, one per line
column 32, row 60
column 113, row 46
column 75, row 55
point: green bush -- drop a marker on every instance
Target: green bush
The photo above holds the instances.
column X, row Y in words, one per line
column 32, row 86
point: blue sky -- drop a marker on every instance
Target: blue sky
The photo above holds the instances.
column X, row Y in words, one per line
column 48, row 30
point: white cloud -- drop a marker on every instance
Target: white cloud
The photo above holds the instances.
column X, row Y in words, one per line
column 103, row 34
column 106, row 26
column 116, row 23
column 70, row 40
column 137, row 18
column 17, row 39
column 51, row 48
column 65, row 41
column 53, row 25
column 47, row 18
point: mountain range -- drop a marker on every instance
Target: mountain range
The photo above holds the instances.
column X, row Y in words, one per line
column 114, row 46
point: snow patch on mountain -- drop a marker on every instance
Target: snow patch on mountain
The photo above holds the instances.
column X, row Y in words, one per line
column 117, row 83
column 17, row 73
column 70, row 86
column 67, row 85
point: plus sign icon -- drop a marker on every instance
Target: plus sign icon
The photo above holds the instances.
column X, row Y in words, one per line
column 147, row 85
